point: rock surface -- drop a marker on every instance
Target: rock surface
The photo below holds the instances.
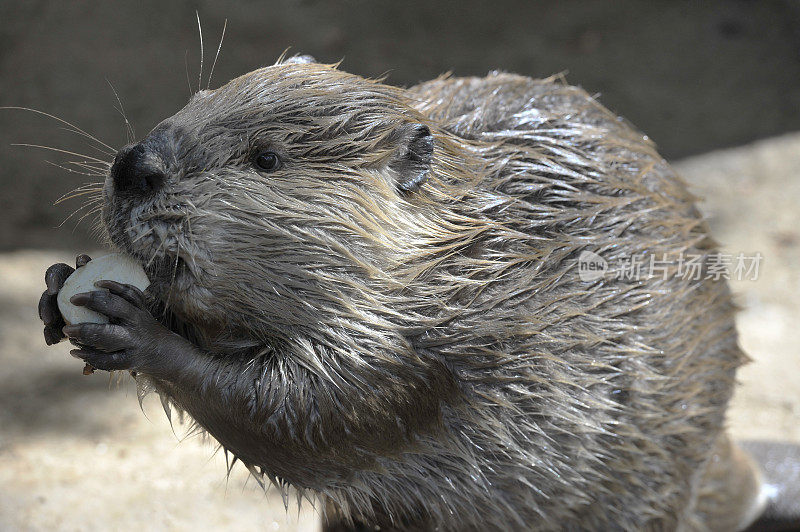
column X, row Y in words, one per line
column 114, row 267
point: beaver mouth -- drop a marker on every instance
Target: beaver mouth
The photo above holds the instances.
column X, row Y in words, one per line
column 159, row 251
column 154, row 240
column 168, row 271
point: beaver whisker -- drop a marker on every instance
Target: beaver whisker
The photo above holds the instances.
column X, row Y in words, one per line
column 153, row 257
column 135, row 233
column 191, row 237
column 71, row 128
column 98, row 229
column 121, row 110
column 73, row 171
column 171, row 289
column 202, row 53
column 87, row 158
column 186, row 67
column 149, row 231
column 94, row 205
column 216, row 56
column 82, row 190
column 100, row 169
column 95, row 210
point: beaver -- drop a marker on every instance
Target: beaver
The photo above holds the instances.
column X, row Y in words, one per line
column 374, row 295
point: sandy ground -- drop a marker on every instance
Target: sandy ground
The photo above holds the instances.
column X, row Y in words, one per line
column 76, row 453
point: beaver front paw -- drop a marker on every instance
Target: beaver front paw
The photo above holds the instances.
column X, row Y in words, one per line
column 54, row 279
column 133, row 339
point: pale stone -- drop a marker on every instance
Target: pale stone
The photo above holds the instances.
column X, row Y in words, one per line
column 113, row 267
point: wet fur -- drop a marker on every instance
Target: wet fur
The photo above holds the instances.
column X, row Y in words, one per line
column 431, row 358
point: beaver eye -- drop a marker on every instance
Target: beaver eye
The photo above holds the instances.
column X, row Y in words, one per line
column 267, row 161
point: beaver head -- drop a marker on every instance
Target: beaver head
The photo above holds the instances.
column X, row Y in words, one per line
column 292, row 172
column 285, row 210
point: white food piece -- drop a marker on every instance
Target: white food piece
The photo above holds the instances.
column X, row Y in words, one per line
column 114, row 267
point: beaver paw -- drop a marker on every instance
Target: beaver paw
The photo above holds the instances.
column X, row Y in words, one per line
column 133, row 339
column 48, row 306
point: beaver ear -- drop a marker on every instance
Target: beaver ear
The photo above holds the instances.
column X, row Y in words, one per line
column 299, row 60
column 412, row 163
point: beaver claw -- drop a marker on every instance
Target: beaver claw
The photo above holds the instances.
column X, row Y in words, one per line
column 54, row 279
column 130, row 340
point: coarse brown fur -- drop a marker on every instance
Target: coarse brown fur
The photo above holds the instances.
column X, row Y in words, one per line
column 428, row 356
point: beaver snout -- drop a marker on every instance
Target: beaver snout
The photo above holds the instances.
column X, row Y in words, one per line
column 136, row 171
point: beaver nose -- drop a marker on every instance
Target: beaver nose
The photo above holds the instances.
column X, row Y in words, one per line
column 134, row 172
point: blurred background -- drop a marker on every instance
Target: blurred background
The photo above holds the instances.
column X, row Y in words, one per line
column 716, row 84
